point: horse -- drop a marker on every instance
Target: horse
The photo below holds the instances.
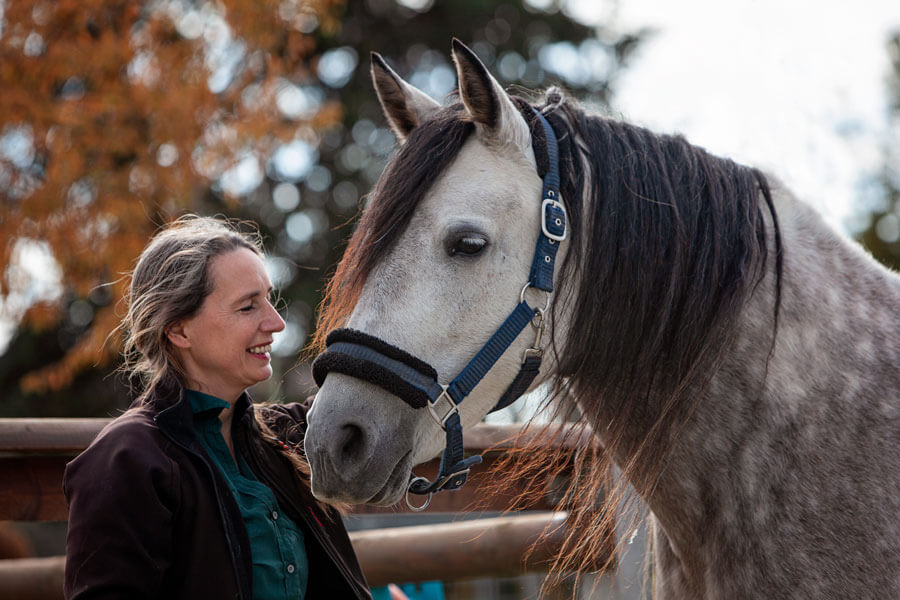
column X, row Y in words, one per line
column 735, row 356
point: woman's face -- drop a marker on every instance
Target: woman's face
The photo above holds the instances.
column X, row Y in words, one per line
column 224, row 348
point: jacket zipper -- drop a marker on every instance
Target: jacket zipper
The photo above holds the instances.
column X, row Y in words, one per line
column 235, row 563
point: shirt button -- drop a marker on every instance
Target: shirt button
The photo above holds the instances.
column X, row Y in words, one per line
column 274, row 515
column 290, row 568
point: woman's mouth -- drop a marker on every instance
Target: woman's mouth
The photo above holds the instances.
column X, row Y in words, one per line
column 261, row 351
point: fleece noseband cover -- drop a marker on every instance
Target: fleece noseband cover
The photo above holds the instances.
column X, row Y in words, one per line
column 367, row 357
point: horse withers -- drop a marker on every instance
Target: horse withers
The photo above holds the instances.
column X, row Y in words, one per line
column 735, row 356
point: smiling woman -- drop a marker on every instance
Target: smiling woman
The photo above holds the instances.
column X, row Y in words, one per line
column 194, row 491
column 224, row 347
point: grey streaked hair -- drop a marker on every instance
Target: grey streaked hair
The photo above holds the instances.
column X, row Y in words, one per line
column 169, row 284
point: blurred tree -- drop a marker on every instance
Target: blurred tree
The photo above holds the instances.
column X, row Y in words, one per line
column 117, row 115
column 882, row 237
column 311, row 214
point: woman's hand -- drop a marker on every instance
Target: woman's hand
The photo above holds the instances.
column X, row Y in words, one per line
column 396, row 593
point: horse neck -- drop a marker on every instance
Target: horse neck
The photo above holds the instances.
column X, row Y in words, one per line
column 833, row 360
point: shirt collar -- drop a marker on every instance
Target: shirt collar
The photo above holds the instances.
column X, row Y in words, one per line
column 201, row 403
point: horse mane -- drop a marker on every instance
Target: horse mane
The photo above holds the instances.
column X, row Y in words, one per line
column 677, row 244
column 668, row 243
column 677, row 239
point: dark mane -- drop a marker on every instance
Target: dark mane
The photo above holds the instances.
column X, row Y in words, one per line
column 676, row 243
column 668, row 249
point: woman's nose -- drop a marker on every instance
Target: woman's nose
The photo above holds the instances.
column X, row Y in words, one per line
column 273, row 321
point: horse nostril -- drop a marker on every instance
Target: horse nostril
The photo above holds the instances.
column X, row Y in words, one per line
column 352, row 442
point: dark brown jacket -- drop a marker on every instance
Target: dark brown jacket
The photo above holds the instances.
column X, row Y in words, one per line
column 151, row 517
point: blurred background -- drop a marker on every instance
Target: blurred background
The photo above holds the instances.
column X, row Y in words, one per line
column 119, row 115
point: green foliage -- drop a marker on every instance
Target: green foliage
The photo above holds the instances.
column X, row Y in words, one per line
column 882, row 236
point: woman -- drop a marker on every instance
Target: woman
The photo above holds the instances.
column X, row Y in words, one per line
column 194, row 492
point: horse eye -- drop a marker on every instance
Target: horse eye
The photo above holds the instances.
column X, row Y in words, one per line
column 467, row 246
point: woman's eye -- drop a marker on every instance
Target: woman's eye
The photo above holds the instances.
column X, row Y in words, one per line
column 467, row 246
column 247, row 308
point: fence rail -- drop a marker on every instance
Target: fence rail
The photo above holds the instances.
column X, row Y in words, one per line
column 34, row 452
column 469, row 549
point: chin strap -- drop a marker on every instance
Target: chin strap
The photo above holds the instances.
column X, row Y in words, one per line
column 367, row 357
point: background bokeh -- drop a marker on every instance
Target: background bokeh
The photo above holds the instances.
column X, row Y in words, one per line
column 118, row 115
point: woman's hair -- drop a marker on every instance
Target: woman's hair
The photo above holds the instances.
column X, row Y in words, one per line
column 168, row 285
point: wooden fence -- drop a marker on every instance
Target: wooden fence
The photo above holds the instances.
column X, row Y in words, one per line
column 34, row 452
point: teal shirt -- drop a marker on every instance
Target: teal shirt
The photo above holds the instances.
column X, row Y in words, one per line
column 280, row 566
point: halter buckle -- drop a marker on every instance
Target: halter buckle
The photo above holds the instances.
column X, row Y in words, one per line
column 557, row 204
column 442, row 419
column 443, row 481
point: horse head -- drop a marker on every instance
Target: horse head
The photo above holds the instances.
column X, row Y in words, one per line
column 440, row 258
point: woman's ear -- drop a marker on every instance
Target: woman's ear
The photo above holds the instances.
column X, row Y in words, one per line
column 175, row 333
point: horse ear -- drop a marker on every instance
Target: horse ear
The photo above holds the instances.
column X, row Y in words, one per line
column 404, row 105
column 487, row 103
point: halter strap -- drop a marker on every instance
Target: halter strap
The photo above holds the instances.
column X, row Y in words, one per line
column 414, row 381
column 554, row 220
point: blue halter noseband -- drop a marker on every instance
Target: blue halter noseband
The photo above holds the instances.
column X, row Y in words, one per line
column 366, row 357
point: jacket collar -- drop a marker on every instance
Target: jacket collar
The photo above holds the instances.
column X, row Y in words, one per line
column 176, row 419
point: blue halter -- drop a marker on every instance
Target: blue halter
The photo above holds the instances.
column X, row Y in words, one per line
column 367, row 357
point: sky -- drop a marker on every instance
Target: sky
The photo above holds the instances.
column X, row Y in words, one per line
column 795, row 87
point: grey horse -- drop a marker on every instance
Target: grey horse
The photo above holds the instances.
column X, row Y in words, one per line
column 736, row 357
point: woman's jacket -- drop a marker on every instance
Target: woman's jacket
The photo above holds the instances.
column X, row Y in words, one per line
column 151, row 517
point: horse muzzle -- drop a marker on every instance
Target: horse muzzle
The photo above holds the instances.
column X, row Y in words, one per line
column 358, row 451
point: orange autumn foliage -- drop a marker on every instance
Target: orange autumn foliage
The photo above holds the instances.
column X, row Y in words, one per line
column 126, row 133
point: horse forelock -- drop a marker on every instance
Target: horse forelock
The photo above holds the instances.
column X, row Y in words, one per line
column 427, row 152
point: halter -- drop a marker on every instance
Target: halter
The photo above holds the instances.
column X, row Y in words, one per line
column 414, row 381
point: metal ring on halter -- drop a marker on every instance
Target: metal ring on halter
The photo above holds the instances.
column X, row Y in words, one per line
column 522, row 299
column 427, row 499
